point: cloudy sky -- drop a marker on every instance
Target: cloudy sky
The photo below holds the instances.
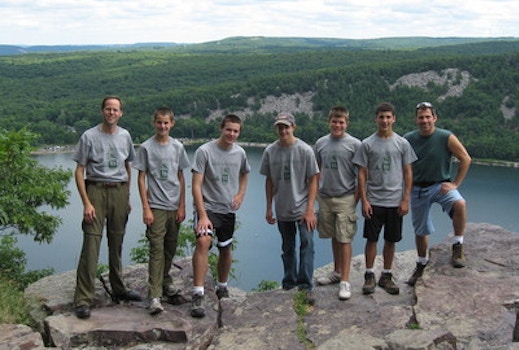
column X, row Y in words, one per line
column 73, row 22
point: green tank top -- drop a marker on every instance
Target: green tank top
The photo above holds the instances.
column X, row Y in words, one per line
column 434, row 158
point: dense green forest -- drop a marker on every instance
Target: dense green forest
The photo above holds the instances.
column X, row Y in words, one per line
column 57, row 95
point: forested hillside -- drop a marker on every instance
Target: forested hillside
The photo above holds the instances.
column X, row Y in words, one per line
column 475, row 86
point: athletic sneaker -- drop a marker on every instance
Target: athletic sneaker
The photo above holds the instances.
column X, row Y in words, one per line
column 155, row 306
column 197, row 306
column 458, row 258
column 387, row 283
column 369, row 283
column 417, row 273
column 222, row 292
column 331, row 278
column 344, row 290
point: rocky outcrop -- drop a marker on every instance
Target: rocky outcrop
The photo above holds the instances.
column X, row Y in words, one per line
column 470, row 308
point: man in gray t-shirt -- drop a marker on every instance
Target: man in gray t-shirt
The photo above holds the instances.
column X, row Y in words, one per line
column 338, row 196
column 103, row 155
column 291, row 172
column 385, row 180
column 160, row 162
column 220, row 173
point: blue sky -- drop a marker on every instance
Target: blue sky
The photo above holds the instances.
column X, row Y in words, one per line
column 73, row 22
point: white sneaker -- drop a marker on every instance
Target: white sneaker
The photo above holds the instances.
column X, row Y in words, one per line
column 332, row 277
column 344, row 291
column 155, row 306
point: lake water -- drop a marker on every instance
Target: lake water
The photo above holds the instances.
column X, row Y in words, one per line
column 492, row 195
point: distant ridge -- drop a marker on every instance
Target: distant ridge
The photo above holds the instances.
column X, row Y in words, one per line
column 259, row 43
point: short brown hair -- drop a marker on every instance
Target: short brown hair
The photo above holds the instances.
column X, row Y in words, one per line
column 339, row 111
column 163, row 111
column 230, row 118
column 385, row 107
column 112, row 98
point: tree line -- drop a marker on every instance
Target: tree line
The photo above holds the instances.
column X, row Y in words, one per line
column 57, row 95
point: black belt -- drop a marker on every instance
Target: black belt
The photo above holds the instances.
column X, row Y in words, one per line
column 423, row 184
column 105, row 184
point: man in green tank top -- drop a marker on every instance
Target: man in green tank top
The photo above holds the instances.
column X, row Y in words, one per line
column 432, row 183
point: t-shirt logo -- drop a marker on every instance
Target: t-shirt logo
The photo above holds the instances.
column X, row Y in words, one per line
column 225, row 175
column 163, row 173
column 333, row 162
column 286, row 173
column 112, row 160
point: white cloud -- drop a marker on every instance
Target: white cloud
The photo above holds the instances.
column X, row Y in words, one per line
column 51, row 22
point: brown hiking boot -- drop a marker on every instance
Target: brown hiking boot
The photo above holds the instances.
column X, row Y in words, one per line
column 458, row 258
column 387, row 283
column 417, row 273
column 369, row 283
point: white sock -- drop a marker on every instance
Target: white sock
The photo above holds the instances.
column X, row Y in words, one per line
column 422, row 261
column 198, row 290
column 458, row 239
column 372, row 270
column 222, row 285
column 386, row 271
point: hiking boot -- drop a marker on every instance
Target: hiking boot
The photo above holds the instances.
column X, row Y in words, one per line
column 331, row 278
column 369, row 283
column 129, row 295
column 387, row 283
column 222, row 292
column 197, row 306
column 344, row 291
column 170, row 290
column 82, row 311
column 155, row 307
column 458, row 258
column 417, row 273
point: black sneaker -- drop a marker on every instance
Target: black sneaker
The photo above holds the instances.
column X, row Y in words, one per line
column 458, row 258
column 82, row 311
column 129, row 295
column 387, row 283
column 222, row 292
column 197, row 306
column 369, row 283
column 417, row 273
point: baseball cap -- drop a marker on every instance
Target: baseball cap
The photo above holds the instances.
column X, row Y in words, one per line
column 285, row 118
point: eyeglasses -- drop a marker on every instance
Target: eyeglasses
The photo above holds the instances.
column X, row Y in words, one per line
column 424, row 105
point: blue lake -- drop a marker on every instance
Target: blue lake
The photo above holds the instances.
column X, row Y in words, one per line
column 492, row 195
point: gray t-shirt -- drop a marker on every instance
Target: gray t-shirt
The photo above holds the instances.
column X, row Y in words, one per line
column 289, row 168
column 335, row 159
column 385, row 158
column 221, row 169
column 104, row 155
column 162, row 162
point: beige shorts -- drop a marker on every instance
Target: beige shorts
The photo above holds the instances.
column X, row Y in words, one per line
column 337, row 218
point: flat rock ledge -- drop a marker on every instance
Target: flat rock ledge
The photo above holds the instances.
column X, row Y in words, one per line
column 475, row 307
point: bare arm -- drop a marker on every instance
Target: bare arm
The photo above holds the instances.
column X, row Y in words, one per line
column 89, row 212
column 459, row 151
column 203, row 223
column 269, row 194
column 309, row 216
column 403, row 209
column 181, row 212
column 128, row 167
column 238, row 199
column 147, row 215
column 366, row 206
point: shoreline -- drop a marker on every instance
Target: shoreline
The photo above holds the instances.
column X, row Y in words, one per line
column 188, row 142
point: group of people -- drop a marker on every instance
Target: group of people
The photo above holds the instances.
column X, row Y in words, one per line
column 388, row 173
